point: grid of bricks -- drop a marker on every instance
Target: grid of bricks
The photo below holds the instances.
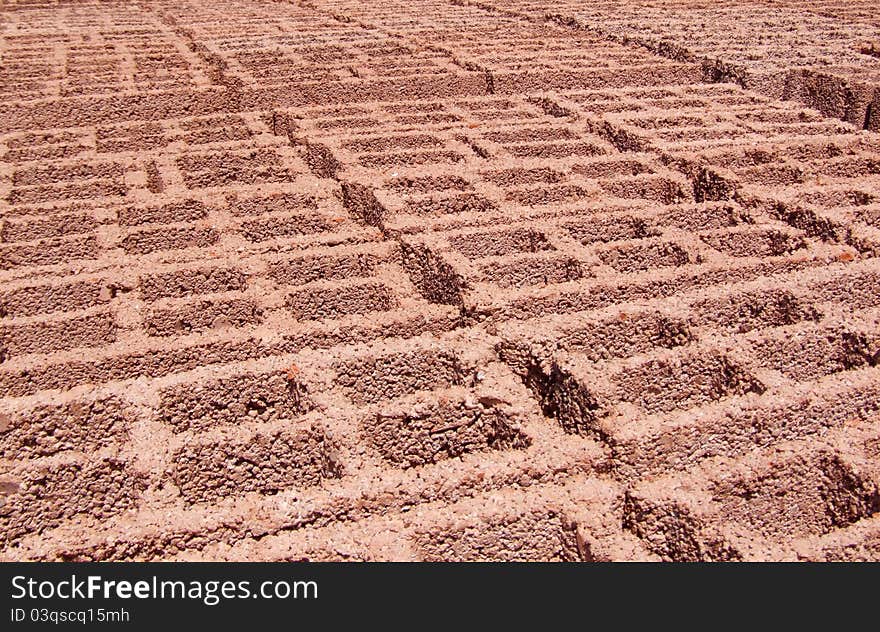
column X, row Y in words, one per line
column 440, row 280
column 825, row 55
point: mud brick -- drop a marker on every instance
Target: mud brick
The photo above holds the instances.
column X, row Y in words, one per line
column 608, row 229
column 178, row 283
column 379, row 161
column 80, row 425
column 146, row 241
column 67, row 333
column 860, row 288
column 794, row 494
column 508, row 280
column 644, row 256
column 302, row 270
column 185, row 211
column 266, row 462
column 427, row 184
column 757, row 309
column 433, row 276
column 91, row 190
column 627, row 334
column 30, row 300
column 61, row 173
column 683, row 381
column 280, row 202
column 426, row 433
column 262, row 229
column 233, row 400
column 42, row 498
column 663, row 443
column 768, row 243
column 529, row 271
column 376, row 144
column 541, row 196
column 372, row 379
column 523, row 176
column 809, row 353
column 61, row 225
column 49, row 252
column 505, row 242
column 575, row 522
column 534, row 536
column 202, row 315
column 360, row 298
column 464, row 203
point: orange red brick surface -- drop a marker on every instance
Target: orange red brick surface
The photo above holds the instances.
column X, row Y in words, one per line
column 439, row 280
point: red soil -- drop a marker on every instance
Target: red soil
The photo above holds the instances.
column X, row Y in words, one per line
column 439, row 280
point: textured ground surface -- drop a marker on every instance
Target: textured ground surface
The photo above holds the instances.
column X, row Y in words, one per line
column 440, row 280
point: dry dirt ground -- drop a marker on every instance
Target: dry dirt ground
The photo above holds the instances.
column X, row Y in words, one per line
column 440, row 280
